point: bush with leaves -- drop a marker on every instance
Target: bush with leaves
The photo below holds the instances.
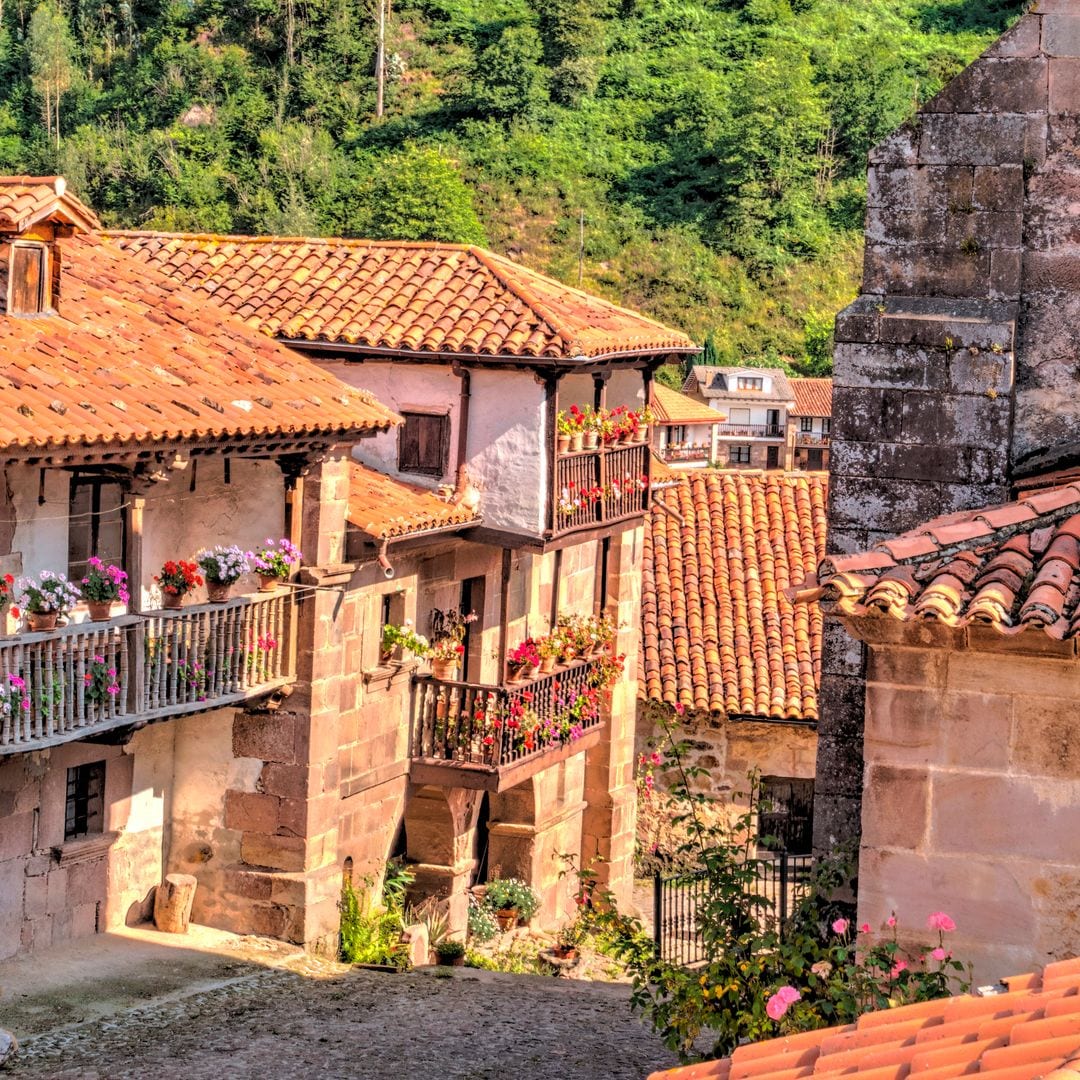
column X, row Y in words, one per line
column 764, row 976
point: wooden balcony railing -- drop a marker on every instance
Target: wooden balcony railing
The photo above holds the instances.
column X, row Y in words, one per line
column 751, row 431
column 598, row 487
column 687, row 453
column 492, row 737
column 809, row 438
column 81, row 680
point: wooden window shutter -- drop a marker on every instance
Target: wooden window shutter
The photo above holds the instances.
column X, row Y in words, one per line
column 424, row 444
column 28, row 279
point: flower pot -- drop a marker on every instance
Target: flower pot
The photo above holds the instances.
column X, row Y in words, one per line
column 531, row 671
column 591, row 440
column 625, row 437
column 218, row 591
column 641, row 434
column 515, row 674
column 449, row 961
column 385, row 656
column 507, row 918
column 547, row 665
column 562, row 443
column 568, row 656
column 100, row 610
column 42, row 620
column 443, row 669
column 172, row 601
column 577, row 441
column 564, row 952
column 268, row 583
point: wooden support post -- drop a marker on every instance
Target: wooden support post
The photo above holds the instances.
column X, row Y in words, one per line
column 504, row 610
column 551, row 433
column 135, row 507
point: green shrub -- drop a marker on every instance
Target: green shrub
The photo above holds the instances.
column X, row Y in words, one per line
column 449, row 949
column 482, row 923
column 369, row 937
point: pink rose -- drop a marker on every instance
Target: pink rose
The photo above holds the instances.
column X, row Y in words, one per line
column 865, row 928
column 900, row 965
column 940, row 921
column 840, row 926
column 781, row 1001
column 939, row 953
column 891, row 920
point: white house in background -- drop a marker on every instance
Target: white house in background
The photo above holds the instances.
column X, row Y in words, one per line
column 686, row 433
column 756, row 403
column 810, row 430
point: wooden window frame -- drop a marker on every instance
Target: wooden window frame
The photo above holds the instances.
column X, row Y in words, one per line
column 806, row 424
column 44, row 302
column 96, row 481
column 420, row 468
column 84, row 800
column 735, row 454
column 826, row 425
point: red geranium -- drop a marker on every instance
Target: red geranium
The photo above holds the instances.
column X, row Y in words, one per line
column 179, row 577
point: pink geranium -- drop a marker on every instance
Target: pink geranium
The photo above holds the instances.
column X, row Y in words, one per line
column 865, row 928
column 940, row 921
column 781, row 1001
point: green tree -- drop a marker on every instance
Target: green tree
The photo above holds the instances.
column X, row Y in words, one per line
column 419, row 194
column 818, row 352
column 51, row 48
column 507, row 77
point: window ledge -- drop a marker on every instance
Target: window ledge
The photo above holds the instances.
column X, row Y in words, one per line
column 385, row 676
column 84, row 849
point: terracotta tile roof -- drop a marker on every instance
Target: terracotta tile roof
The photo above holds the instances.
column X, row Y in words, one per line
column 671, row 407
column 813, row 397
column 385, row 508
column 1030, row 1032
column 412, row 297
column 721, row 382
column 26, row 200
column 131, row 355
column 719, row 632
column 1012, row 567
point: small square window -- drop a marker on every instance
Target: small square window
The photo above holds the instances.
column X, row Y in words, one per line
column 739, row 455
column 747, row 383
column 424, row 444
column 806, row 423
column 28, row 279
column 84, row 813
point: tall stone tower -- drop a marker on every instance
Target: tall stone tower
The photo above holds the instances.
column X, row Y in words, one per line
column 958, row 368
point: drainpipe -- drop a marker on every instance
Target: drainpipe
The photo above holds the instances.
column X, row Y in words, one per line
column 463, row 428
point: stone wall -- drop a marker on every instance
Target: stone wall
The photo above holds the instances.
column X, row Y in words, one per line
column 972, row 769
column 955, row 368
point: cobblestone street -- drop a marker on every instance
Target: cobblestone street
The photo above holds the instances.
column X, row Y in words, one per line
column 277, row 1025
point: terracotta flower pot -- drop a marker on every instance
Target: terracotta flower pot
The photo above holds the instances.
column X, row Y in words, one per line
column 100, row 610
column 268, row 583
column 577, row 440
column 443, row 669
column 449, row 961
column 591, row 440
column 547, row 665
column 562, row 443
column 531, row 671
column 218, row 591
column 42, row 620
column 641, row 434
column 507, row 918
column 172, row 601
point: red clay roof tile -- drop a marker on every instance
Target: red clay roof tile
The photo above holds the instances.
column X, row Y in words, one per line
column 130, row 355
column 387, row 295
column 671, row 407
column 813, row 397
column 384, row 508
column 719, row 632
column 26, row 200
column 1026, row 1034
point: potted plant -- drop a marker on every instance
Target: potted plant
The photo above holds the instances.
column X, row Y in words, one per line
column 273, row 563
column 549, row 648
column 576, row 424
column 102, row 587
column 567, row 942
column 446, row 654
column 567, row 427
column 644, row 418
column 222, row 568
column 524, row 661
column 512, row 901
column 591, row 424
column 395, row 638
column 450, row 953
column 7, row 588
column 177, row 578
column 45, row 598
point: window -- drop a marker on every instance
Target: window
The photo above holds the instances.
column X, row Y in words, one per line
column 95, row 522
column 806, row 423
column 744, row 382
column 786, row 814
column 739, row 455
column 826, row 425
column 741, row 417
column 28, row 279
column 772, row 457
column 424, row 444
column 676, row 436
column 84, row 814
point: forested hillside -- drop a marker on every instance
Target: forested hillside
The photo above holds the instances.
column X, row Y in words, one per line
column 702, row 160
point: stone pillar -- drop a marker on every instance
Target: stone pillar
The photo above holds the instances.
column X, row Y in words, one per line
column 289, row 825
column 610, row 816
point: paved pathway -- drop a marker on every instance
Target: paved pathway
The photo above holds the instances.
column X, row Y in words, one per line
column 361, row 1025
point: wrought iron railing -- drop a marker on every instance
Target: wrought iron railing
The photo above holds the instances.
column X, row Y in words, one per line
column 810, row 438
column 595, row 487
column 64, row 684
column 752, row 431
column 687, row 453
column 478, row 724
column 781, row 881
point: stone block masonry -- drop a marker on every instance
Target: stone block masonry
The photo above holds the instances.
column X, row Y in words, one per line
column 955, row 368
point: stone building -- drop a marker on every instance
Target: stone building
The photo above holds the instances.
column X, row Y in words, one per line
column 477, row 354
column 725, row 653
column 944, row 742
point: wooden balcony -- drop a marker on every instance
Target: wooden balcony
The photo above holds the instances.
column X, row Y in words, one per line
column 751, row 431
column 470, row 735
column 83, row 680
column 600, row 487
